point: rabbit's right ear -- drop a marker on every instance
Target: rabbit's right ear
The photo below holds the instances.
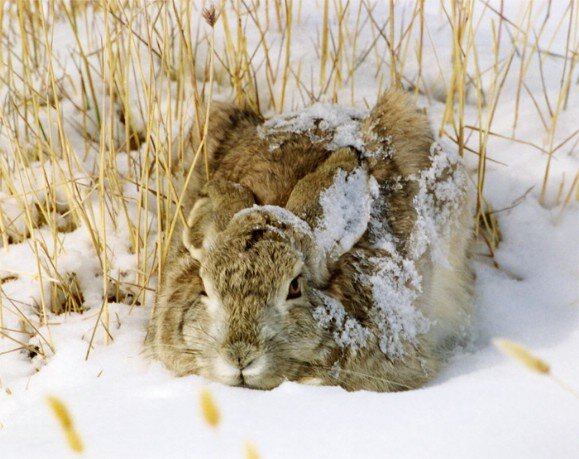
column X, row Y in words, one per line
column 304, row 200
column 220, row 200
column 335, row 236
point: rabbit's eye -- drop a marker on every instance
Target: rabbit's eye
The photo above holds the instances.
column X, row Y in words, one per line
column 202, row 291
column 295, row 289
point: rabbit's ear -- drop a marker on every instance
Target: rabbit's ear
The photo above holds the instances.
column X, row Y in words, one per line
column 304, row 200
column 333, row 200
column 396, row 129
column 218, row 203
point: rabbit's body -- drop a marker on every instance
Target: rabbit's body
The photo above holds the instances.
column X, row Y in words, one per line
column 323, row 250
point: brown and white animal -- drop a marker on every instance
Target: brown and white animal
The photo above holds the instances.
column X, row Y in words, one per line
column 328, row 247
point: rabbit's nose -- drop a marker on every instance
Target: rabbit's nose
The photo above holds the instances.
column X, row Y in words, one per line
column 241, row 355
column 244, row 363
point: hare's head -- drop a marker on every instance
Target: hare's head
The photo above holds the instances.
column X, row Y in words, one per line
column 249, row 320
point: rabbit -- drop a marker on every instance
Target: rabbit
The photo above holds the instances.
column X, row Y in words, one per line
column 326, row 251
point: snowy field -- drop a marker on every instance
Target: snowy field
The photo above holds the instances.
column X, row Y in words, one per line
column 65, row 220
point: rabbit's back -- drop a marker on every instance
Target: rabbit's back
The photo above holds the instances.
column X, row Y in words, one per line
column 270, row 157
column 239, row 152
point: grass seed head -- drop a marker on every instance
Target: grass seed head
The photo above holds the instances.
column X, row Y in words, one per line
column 251, row 451
column 63, row 416
column 210, row 15
column 209, row 408
column 518, row 352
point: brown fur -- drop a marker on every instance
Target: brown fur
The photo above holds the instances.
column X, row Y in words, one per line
column 222, row 311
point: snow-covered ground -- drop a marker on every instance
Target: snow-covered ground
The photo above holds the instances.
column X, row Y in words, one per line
column 482, row 405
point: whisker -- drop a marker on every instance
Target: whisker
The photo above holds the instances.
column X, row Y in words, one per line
column 352, row 372
column 377, row 378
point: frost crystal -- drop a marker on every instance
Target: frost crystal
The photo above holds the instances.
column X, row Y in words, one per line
column 381, row 147
column 395, row 285
column 442, row 189
column 282, row 215
column 347, row 331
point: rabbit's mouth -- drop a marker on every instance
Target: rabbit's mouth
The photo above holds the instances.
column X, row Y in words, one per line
column 245, row 385
column 255, row 384
column 256, row 374
column 258, row 382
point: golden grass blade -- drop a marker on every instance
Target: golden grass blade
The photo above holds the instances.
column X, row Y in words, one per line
column 65, row 420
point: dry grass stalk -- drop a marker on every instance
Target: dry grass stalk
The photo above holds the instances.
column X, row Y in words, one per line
column 325, row 42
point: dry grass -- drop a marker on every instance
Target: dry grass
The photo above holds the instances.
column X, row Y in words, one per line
column 97, row 146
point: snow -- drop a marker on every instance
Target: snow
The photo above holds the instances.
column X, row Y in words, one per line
column 339, row 127
column 281, row 214
column 395, row 286
column 348, row 332
column 346, row 211
column 482, row 405
column 441, row 189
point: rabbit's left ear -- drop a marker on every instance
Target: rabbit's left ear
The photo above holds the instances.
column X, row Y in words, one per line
column 218, row 203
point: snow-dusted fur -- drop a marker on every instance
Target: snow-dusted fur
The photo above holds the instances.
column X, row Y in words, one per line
column 329, row 247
